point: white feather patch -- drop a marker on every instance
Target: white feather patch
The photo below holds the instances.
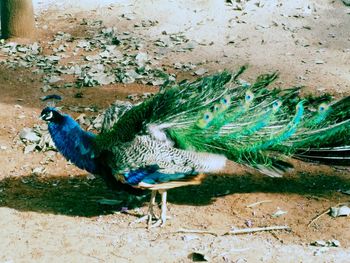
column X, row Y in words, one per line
column 211, row 162
column 158, row 132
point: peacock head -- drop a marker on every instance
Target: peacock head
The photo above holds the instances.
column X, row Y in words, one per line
column 50, row 114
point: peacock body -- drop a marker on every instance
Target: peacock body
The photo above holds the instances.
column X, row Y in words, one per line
column 194, row 127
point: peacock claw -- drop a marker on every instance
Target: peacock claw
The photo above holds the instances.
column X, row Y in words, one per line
column 160, row 222
column 148, row 217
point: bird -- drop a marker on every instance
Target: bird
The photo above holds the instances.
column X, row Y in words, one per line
column 191, row 129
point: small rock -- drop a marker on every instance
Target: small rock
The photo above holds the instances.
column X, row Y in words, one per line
column 91, row 177
column 319, row 243
column 279, row 213
column 187, row 238
column 335, row 243
column 328, row 243
column 318, row 62
column 92, row 57
column 157, row 81
column 146, row 95
column 54, row 79
column 347, row 192
column 238, row 7
column 53, row 58
column 29, row 148
column 104, row 79
column 29, row 135
column 83, row 44
column 104, row 54
column 46, row 88
column 50, row 154
column 25, row 180
column 132, row 74
column 133, row 97
column 200, row 71
column 38, row 170
column 124, row 209
column 340, row 211
column 141, row 59
column 248, row 223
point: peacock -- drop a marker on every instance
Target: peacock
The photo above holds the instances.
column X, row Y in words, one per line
column 193, row 128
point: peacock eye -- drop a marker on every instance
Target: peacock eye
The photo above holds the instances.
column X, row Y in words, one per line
column 206, row 116
column 224, row 100
column 321, row 108
column 248, row 97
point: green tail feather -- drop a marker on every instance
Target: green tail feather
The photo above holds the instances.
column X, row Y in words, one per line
column 249, row 123
column 255, row 133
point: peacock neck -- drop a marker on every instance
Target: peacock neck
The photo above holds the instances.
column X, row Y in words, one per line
column 75, row 144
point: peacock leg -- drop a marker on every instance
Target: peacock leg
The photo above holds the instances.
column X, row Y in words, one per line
column 150, row 214
column 161, row 222
column 152, row 202
column 164, row 207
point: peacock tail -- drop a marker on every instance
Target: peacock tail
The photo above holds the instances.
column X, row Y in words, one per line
column 248, row 123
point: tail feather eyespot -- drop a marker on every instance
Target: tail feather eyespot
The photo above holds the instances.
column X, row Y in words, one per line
column 249, row 96
column 276, row 105
column 225, row 100
column 225, row 103
column 205, row 120
column 323, row 107
column 215, row 108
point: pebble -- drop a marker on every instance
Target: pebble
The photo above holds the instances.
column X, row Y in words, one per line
column 38, row 170
column 187, row 238
column 29, row 135
column 200, row 71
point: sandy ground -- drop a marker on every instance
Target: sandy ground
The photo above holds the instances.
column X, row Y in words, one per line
column 56, row 217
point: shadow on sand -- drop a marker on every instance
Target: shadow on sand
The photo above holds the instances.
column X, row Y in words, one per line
column 79, row 196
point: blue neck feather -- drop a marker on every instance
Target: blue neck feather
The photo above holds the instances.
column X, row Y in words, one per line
column 75, row 144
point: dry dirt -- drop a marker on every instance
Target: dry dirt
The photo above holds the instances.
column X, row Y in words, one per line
column 56, row 217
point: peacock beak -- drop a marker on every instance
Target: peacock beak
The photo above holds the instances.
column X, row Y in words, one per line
column 42, row 116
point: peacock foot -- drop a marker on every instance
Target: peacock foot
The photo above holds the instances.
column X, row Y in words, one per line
column 150, row 217
column 163, row 217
